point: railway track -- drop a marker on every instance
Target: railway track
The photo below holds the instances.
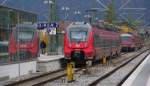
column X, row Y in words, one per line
column 33, row 79
column 40, row 80
column 97, row 81
column 126, row 77
column 83, row 79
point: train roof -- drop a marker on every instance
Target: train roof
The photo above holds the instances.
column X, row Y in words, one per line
column 108, row 27
column 80, row 24
column 125, row 34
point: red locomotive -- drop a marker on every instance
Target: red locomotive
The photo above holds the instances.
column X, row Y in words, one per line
column 24, row 42
column 130, row 42
column 86, row 43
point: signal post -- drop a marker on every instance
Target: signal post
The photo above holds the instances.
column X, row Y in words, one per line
column 70, row 71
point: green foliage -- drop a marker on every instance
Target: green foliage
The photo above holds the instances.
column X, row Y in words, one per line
column 133, row 23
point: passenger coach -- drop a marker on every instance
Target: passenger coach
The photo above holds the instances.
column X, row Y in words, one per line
column 130, row 42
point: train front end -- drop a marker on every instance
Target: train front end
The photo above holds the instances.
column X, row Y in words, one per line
column 24, row 43
column 78, row 43
column 127, row 42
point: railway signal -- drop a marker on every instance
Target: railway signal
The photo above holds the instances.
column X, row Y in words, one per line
column 70, row 71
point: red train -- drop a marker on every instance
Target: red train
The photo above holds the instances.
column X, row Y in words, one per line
column 24, row 42
column 130, row 42
column 86, row 43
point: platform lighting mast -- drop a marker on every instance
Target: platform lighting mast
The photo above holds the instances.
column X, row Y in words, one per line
column 110, row 13
column 53, row 39
column 53, row 15
column 53, row 18
column 93, row 14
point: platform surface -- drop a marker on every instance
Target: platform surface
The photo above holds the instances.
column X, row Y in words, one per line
column 47, row 63
column 47, row 58
column 141, row 76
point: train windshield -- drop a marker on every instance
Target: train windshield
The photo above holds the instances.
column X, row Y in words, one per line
column 24, row 34
column 124, row 38
column 78, row 35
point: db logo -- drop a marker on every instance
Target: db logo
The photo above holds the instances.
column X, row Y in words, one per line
column 77, row 45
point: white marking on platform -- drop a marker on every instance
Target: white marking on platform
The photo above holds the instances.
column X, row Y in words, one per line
column 45, row 58
column 130, row 80
column 148, row 81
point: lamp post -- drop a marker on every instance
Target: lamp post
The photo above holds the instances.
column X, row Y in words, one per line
column 50, row 20
column 65, row 9
column 88, row 17
column 3, row 2
column 50, row 10
column 77, row 12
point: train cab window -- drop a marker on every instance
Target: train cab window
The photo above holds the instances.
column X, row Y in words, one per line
column 78, row 36
column 24, row 35
column 124, row 38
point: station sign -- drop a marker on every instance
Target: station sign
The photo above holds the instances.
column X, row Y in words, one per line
column 51, row 28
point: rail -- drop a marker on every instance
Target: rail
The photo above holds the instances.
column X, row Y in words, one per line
column 94, row 83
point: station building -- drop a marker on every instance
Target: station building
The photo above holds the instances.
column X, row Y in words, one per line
column 9, row 18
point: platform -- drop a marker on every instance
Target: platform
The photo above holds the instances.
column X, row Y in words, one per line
column 10, row 71
column 141, row 76
column 48, row 63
